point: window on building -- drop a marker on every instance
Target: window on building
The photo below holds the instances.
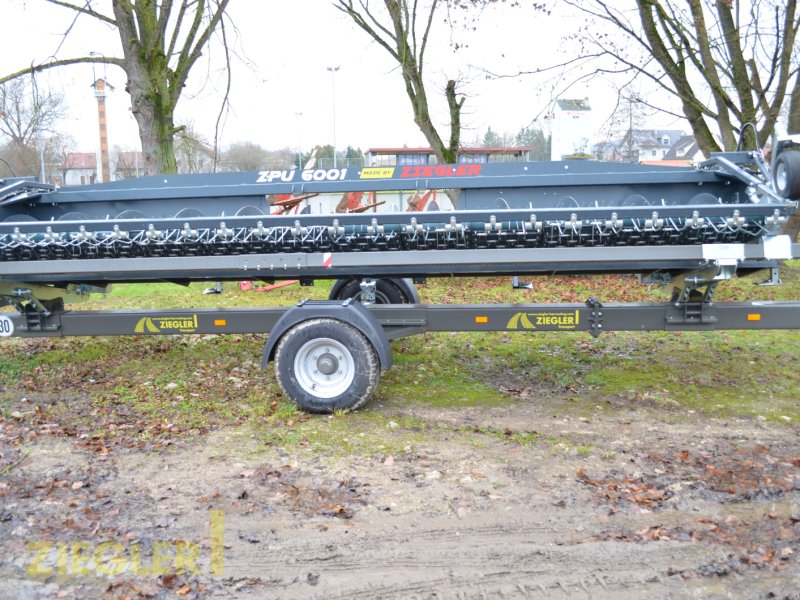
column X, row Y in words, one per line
column 654, row 153
column 384, row 160
column 412, row 159
column 665, row 140
column 473, row 158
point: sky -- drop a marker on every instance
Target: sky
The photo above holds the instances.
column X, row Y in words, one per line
column 282, row 93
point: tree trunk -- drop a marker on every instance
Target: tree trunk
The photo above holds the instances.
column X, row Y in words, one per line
column 154, row 116
column 151, row 101
column 406, row 43
column 676, row 71
column 794, row 107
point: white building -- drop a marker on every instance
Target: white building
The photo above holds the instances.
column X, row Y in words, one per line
column 572, row 128
column 80, row 168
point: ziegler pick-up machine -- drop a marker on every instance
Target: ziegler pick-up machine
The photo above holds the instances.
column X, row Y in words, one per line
column 687, row 228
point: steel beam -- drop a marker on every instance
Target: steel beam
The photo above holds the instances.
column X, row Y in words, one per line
column 631, row 259
column 402, row 320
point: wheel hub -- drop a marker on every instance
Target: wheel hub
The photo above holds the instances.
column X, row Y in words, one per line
column 327, row 364
column 324, row 367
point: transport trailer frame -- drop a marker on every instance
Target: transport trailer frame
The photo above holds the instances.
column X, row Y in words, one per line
column 328, row 355
column 403, row 320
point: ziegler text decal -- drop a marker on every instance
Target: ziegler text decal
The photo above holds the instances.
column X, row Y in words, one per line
column 174, row 324
column 441, row 171
column 548, row 320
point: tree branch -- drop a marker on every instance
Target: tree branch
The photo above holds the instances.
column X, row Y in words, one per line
column 84, row 10
column 347, row 8
column 425, row 35
column 176, row 31
column 191, row 53
column 108, row 60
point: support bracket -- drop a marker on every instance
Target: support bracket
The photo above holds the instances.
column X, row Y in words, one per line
column 595, row 316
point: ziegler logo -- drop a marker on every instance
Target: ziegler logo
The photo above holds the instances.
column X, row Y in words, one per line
column 442, row 171
column 166, row 324
column 564, row 320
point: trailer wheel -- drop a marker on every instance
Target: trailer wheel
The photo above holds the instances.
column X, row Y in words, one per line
column 787, row 174
column 387, row 291
column 325, row 365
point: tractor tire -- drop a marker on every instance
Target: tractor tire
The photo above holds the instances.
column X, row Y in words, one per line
column 787, row 174
column 387, row 291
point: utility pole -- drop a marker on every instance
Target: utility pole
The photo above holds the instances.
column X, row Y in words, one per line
column 299, row 116
column 333, row 87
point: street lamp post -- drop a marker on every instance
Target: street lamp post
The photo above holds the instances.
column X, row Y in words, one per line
column 299, row 116
column 333, row 87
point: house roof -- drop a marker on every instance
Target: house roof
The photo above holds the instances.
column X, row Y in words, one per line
column 687, row 145
column 81, row 160
column 647, row 138
column 578, row 104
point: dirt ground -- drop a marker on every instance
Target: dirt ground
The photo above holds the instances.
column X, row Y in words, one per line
column 504, row 502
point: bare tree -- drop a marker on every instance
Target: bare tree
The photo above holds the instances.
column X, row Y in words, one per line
column 27, row 120
column 245, row 156
column 161, row 42
column 403, row 30
column 193, row 152
column 26, row 112
column 20, row 160
column 59, row 146
column 280, row 159
column 727, row 62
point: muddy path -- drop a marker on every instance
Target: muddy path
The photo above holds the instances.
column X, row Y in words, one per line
column 403, row 502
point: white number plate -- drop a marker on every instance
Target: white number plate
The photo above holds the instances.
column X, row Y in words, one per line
column 6, row 326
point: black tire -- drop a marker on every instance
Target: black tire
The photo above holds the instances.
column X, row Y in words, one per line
column 787, row 174
column 311, row 348
column 387, row 291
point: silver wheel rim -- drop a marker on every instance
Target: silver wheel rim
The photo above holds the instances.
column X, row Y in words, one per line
column 780, row 177
column 324, row 368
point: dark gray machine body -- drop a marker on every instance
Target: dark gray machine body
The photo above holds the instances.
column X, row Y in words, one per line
column 220, row 226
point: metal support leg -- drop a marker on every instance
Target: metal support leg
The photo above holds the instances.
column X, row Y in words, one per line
column 217, row 289
column 520, row 285
column 774, row 277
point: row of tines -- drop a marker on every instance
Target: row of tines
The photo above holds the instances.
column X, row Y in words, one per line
column 693, row 228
